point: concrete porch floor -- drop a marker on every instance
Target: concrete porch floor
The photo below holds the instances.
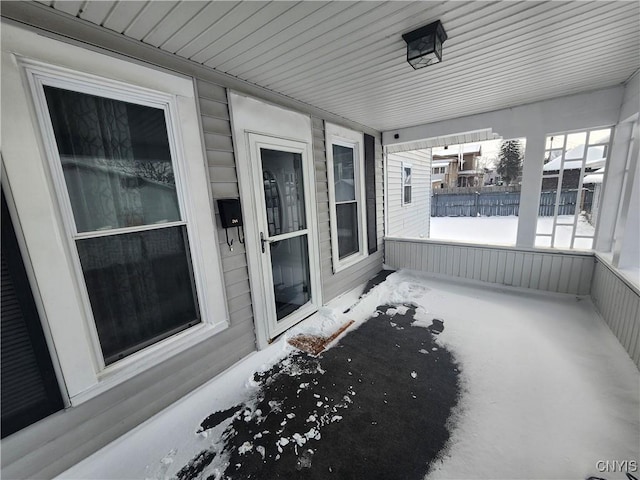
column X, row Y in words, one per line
column 518, row 384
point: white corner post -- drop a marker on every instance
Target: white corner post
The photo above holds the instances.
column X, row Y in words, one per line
column 530, row 192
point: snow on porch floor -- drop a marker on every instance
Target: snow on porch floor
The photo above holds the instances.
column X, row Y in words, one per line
column 546, row 391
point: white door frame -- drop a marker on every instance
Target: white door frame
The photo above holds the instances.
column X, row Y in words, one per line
column 257, row 142
column 251, row 117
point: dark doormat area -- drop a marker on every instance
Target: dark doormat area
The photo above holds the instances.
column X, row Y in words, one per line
column 380, row 277
column 375, row 406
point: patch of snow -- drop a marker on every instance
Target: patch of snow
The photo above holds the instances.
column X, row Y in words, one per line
column 503, row 230
column 245, row 447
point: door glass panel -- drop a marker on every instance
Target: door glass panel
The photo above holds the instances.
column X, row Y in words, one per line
column 140, row 286
column 291, row 277
column 283, row 191
column 116, row 160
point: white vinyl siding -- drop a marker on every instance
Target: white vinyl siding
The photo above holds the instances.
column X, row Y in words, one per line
column 409, row 219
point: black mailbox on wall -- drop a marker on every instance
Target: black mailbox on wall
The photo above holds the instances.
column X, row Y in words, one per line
column 230, row 212
column 230, row 216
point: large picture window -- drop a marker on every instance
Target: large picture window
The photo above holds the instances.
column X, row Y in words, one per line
column 346, row 189
column 117, row 164
column 129, row 233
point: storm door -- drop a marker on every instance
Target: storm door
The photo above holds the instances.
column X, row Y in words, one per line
column 281, row 179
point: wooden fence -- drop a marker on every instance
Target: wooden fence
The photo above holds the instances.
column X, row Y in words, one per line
column 497, row 204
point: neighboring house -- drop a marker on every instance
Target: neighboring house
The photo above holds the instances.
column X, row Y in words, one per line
column 440, row 173
column 596, row 157
column 408, row 188
column 491, row 178
column 462, row 168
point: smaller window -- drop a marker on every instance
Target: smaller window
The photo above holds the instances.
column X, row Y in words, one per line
column 345, row 153
column 406, row 184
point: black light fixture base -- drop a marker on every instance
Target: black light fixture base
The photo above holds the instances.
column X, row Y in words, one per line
column 424, row 45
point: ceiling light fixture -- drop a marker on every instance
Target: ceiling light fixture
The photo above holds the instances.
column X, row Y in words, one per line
column 424, row 45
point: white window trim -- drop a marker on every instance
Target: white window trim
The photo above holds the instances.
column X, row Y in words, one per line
column 402, row 180
column 69, row 315
column 337, row 135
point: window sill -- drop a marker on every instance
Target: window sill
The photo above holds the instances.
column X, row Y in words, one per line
column 152, row 356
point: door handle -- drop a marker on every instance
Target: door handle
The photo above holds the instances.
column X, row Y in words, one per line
column 262, row 241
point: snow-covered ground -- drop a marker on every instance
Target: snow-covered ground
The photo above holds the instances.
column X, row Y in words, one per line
column 503, row 230
column 547, row 389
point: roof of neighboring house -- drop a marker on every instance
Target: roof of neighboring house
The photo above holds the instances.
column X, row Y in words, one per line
column 440, row 163
column 594, row 177
column 573, row 159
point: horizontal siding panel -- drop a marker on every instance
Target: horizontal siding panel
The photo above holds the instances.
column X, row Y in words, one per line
column 239, row 302
column 235, row 276
column 218, row 142
column 225, row 251
column 224, row 190
column 211, row 91
column 214, row 109
column 244, row 315
column 238, row 289
column 220, row 174
column 317, row 123
column 219, row 126
column 218, row 158
column 349, row 279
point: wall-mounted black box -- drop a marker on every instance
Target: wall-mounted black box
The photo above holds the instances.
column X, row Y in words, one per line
column 230, row 212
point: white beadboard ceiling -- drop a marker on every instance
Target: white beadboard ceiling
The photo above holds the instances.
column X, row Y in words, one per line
column 348, row 58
